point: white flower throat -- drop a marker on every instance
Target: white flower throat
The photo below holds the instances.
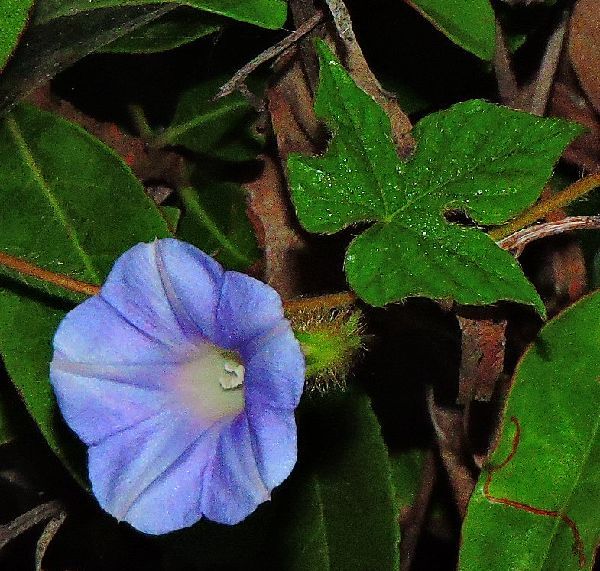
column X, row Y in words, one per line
column 211, row 383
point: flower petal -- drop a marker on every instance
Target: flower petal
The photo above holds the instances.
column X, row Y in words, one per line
column 174, row 499
column 233, row 487
column 94, row 332
column 275, row 369
column 247, row 308
column 136, row 466
column 273, row 435
column 167, row 289
column 95, row 408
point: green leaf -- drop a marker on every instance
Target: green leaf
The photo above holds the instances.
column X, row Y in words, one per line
column 172, row 215
column 47, row 49
column 215, row 221
column 487, row 161
column 407, row 468
column 219, row 129
column 10, row 419
column 469, row 23
column 535, row 504
column 175, row 29
column 13, row 18
column 342, row 513
column 266, row 13
column 68, row 206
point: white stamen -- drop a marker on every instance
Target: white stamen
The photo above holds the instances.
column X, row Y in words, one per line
column 233, row 377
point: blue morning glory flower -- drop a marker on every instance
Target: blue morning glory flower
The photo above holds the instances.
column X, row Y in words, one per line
column 182, row 379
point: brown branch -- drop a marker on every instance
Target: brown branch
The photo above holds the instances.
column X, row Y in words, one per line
column 242, row 74
column 517, row 242
column 548, row 66
column 46, row 538
column 448, row 424
column 508, row 87
column 360, row 71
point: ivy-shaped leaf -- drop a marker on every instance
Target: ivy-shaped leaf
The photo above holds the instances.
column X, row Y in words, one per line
column 535, row 505
column 485, row 160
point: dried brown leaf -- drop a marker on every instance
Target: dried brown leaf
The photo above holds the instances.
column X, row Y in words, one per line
column 276, row 229
column 448, row 423
column 584, row 47
column 483, row 343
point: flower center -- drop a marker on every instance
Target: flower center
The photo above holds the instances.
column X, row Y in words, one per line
column 211, row 384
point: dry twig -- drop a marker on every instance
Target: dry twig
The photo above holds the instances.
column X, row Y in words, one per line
column 29, row 519
column 517, row 242
column 239, row 78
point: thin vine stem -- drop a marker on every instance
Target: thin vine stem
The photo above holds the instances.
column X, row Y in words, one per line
column 327, row 301
column 545, row 207
column 60, row 280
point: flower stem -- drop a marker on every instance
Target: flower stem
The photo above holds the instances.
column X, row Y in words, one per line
column 545, row 207
column 59, row 280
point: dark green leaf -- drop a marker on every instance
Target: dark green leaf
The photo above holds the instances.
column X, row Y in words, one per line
column 535, row 505
column 47, row 49
column 469, row 23
column 215, row 221
column 9, row 415
column 68, row 203
column 265, row 13
column 175, row 29
column 13, row 18
column 342, row 513
column 172, row 215
column 219, row 129
column 407, row 468
column 487, row 161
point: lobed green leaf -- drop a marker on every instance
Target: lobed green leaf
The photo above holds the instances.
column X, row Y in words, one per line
column 487, row 161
